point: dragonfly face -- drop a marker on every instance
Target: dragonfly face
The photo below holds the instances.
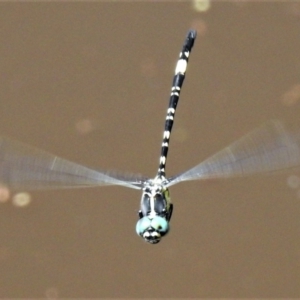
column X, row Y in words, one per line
column 152, row 229
column 155, row 213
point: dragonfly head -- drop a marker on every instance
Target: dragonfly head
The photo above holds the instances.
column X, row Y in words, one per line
column 152, row 229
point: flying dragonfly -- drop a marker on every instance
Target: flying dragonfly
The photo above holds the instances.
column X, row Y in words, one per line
column 268, row 148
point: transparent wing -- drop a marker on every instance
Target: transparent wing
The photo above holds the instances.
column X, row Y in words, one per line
column 27, row 168
column 266, row 149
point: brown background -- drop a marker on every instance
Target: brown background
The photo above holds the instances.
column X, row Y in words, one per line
column 111, row 64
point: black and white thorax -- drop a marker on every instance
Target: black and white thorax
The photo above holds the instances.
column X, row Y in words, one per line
column 156, row 200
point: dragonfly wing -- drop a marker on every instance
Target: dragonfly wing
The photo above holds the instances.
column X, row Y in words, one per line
column 28, row 168
column 266, row 149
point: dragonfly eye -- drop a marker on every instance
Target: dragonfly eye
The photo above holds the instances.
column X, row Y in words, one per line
column 152, row 229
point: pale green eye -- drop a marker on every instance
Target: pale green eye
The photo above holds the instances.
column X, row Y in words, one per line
column 142, row 225
column 160, row 224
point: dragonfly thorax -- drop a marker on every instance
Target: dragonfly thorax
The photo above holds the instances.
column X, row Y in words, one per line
column 155, row 199
column 155, row 212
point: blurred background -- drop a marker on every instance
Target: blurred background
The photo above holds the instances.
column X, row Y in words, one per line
column 90, row 82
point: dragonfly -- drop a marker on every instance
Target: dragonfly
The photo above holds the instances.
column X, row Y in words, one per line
column 268, row 148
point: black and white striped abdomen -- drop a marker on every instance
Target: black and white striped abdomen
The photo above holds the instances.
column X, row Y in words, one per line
column 174, row 97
